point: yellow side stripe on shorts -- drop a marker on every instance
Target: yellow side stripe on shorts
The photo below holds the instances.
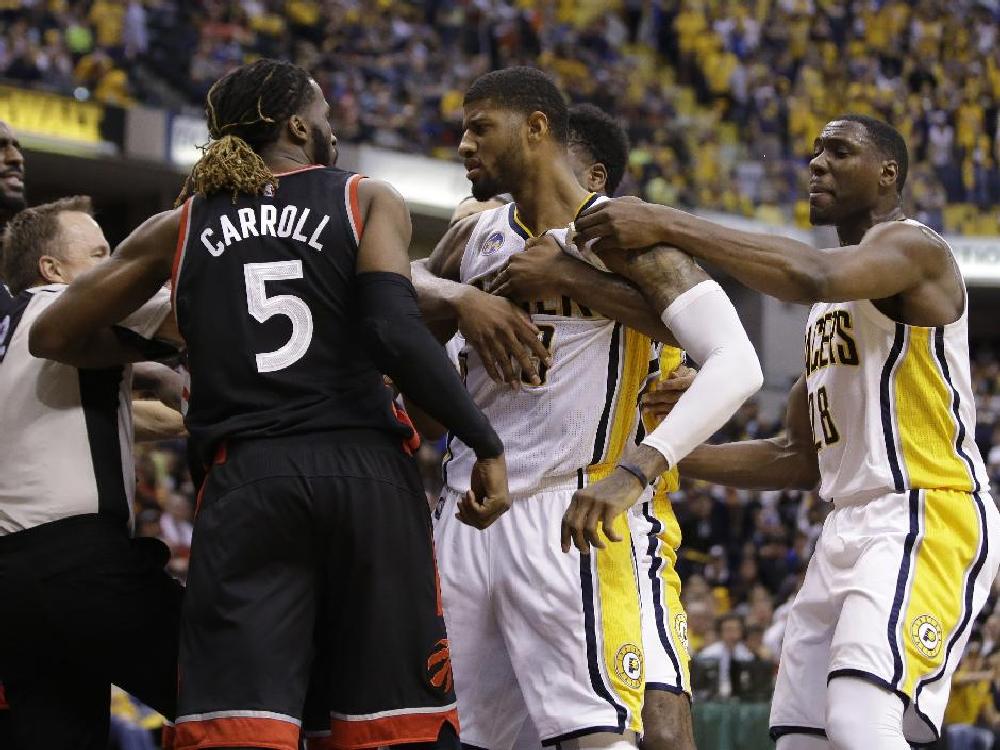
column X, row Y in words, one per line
column 944, row 559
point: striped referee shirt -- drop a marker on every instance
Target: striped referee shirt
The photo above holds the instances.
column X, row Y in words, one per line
column 67, row 432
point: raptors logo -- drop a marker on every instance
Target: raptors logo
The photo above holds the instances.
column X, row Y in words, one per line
column 628, row 665
column 492, row 243
column 439, row 667
column 681, row 628
column 927, row 635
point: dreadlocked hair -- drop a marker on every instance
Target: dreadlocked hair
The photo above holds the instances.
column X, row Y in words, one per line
column 246, row 110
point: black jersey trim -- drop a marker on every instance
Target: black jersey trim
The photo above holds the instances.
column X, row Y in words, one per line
column 956, row 405
column 99, row 398
column 885, row 393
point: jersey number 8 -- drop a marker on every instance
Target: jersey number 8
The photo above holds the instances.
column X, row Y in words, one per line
column 262, row 308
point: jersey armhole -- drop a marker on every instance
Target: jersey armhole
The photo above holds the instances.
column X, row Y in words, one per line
column 181, row 249
column 352, row 206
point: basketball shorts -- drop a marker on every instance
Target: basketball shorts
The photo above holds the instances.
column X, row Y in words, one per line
column 890, row 596
column 656, row 536
column 312, row 571
column 536, row 632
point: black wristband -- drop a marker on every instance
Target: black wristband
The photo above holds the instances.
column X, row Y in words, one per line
column 636, row 472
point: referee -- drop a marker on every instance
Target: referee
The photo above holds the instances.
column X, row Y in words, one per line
column 85, row 605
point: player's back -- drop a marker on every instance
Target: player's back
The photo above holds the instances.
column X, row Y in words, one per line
column 891, row 404
column 264, row 296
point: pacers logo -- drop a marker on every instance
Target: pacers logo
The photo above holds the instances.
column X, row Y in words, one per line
column 681, row 628
column 927, row 635
column 493, row 243
column 628, row 665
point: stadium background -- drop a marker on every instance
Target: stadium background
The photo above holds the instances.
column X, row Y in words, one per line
column 722, row 100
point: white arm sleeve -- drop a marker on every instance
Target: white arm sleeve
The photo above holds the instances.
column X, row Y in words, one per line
column 706, row 325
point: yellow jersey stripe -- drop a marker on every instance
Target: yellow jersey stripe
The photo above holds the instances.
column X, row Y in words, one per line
column 623, row 416
column 926, row 423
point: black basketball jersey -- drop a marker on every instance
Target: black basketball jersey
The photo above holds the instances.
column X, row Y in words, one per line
column 264, row 296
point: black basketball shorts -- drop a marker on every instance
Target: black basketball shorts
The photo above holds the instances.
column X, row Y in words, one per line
column 312, row 574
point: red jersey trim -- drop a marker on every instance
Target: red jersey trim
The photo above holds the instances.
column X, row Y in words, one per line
column 353, row 206
column 389, row 730
column 238, row 731
column 181, row 249
column 300, row 169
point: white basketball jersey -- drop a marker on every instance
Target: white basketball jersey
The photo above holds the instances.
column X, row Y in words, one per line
column 890, row 404
column 571, row 429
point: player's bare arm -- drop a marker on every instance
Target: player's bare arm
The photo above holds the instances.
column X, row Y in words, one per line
column 500, row 332
column 75, row 329
column 704, row 323
column 544, row 270
column 403, row 348
column 891, row 259
column 786, row 460
column 153, row 420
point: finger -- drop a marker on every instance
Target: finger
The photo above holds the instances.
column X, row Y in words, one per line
column 568, row 522
column 501, row 278
column 528, row 369
column 505, row 361
column 500, row 358
column 534, row 343
column 608, row 522
column 486, row 355
column 580, row 540
column 605, row 244
column 590, row 530
column 679, row 383
column 526, row 320
column 593, row 216
column 503, row 290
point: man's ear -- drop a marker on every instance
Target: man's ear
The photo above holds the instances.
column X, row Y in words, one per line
column 597, row 178
column 890, row 173
column 297, row 129
column 48, row 269
column 538, row 126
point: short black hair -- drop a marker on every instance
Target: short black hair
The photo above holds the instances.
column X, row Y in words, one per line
column 888, row 140
column 604, row 137
column 32, row 233
column 526, row 90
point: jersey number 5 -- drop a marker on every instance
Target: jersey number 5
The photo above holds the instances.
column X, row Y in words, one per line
column 262, row 308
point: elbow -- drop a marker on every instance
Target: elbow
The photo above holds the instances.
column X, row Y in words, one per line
column 47, row 341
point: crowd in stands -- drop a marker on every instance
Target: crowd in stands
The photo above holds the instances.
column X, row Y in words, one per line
column 722, row 97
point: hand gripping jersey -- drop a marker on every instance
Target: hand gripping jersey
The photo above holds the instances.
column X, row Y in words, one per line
column 570, row 430
column 891, row 404
column 264, row 297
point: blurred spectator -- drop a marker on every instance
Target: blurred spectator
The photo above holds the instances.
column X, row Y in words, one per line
column 729, row 648
column 723, row 101
column 969, row 702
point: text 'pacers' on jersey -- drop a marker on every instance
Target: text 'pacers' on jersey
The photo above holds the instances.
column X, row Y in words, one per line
column 891, row 405
column 264, row 297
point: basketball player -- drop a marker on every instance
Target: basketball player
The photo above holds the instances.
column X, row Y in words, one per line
column 534, row 632
column 80, row 595
column 11, row 188
column 598, row 150
column 291, row 289
column 883, row 420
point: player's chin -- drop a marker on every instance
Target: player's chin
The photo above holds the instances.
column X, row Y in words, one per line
column 820, row 216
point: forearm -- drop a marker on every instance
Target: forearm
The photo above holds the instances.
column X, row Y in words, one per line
column 707, row 326
column 777, row 266
column 92, row 303
column 403, row 348
column 615, row 298
column 437, row 298
column 751, row 464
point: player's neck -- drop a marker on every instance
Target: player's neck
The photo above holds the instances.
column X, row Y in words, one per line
column 851, row 232
column 550, row 198
column 280, row 157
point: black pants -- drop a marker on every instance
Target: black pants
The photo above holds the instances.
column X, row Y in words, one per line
column 84, row 606
column 312, row 570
